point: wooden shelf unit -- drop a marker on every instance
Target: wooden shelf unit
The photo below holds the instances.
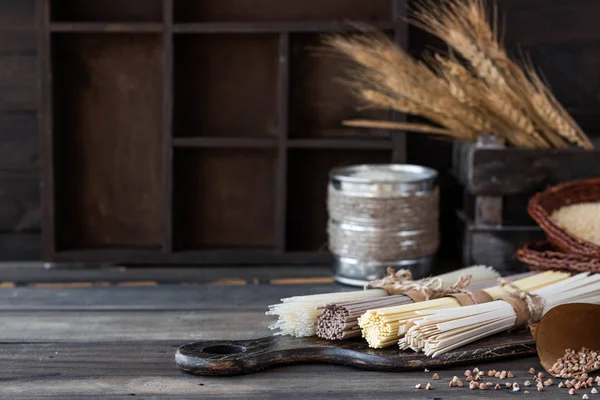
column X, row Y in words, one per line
column 198, row 131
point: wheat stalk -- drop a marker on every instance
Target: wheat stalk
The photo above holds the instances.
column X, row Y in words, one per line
column 487, row 93
column 404, row 126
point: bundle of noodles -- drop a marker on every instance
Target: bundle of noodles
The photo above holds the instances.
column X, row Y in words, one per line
column 384, row 327
column 440, row 332
column 297, row 316
column 339, row 321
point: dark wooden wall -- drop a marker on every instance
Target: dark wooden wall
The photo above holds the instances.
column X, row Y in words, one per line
column 20, row 211
column 562, row 37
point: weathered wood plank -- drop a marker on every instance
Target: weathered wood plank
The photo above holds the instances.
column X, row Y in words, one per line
column 163, row 297
column 20, row 246
column 19, row 87
column 47, row 272
column 19, row 136
column 125, row 326
column 17, row 14
column 20, row 208
column 20, row 40
column 83, row 370
column 501, row 172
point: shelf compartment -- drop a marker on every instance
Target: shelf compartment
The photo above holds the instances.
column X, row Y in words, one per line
column 106, row 10
column 277, row 10
column 308, row 170
column 224, row 198
column 214, row 92
column 107, row 100
column 318, row 101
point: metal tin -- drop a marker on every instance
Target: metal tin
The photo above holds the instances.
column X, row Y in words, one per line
column 353, row 272
column 395, row 179
column 370, row 209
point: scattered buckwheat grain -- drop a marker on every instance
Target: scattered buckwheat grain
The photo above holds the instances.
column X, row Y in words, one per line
column 497, row 387
column 475, row 370
column 585, row 397
column 467, row 372
column 527, row 383
column 510, row 375
column 428, row 387
column 473, row 386
column 594, row 391
column 460, row 383
column 483, row 386
column 418, row 386
column 469, row 378
column 571, row 391
column 548, row 382
column 532, row 371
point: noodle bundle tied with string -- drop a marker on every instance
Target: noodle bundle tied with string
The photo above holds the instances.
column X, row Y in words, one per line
column 339, row 321
column 436, row 333
column 385, row 326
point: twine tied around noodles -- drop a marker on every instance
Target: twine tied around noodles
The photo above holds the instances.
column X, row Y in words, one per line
column 401, row 276
column 400, row 282
column 528, row 307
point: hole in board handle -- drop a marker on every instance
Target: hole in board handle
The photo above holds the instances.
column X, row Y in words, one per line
column 224, row 349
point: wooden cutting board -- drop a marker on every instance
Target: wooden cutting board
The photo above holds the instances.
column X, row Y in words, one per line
column 221, row 357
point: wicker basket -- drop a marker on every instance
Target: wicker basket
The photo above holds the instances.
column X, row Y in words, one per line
column 542, row 256
column 544, row 203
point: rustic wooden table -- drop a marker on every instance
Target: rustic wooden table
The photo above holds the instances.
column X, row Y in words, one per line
column 112, row 333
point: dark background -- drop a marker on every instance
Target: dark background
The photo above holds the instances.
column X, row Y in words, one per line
column 563, row 39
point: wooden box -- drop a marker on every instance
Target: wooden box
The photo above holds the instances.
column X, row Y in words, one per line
column 197, row 131
column 497, row 183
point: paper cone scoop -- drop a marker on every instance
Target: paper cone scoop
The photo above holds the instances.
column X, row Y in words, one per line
column 570, row 326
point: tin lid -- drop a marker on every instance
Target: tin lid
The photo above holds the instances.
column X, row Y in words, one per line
column 384, row 179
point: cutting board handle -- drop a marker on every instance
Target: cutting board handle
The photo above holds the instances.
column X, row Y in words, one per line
column 234, row 357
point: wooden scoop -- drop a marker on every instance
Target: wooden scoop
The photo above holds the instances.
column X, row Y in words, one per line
column 570, row 326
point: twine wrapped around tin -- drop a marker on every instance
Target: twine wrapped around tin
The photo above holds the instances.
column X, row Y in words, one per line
column 383, row 213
